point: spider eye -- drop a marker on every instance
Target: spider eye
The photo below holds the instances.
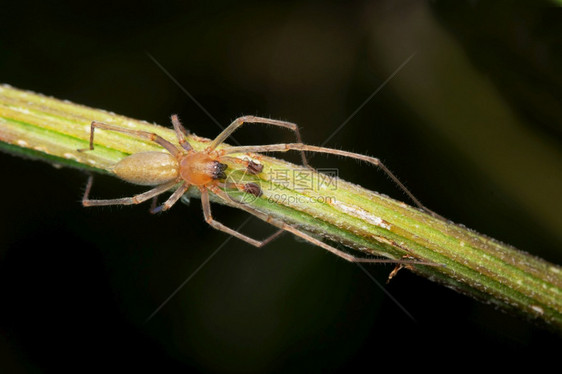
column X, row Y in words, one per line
column 218, row 170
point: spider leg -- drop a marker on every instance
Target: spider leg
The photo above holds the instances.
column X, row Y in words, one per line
column 137, row 199
column 171, row 200
column 252, row 119
column 219, row 226
column 311, row 148
column 285, row 227
column 138, row 133
column 250, row 166
column 181, row 133
column 251, row 188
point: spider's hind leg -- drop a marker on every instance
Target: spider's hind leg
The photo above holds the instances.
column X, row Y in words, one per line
column 137, row 199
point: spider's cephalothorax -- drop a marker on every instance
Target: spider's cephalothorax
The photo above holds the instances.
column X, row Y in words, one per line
column 199, row 168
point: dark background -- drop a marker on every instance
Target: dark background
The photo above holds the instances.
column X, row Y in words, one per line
column 471, row 124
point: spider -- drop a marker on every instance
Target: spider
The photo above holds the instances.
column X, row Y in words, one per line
column 182, row 167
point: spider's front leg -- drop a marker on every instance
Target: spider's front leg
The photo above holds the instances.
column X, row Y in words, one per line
column 253, row 119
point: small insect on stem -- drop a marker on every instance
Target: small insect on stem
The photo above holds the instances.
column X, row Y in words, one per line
column 182, row 167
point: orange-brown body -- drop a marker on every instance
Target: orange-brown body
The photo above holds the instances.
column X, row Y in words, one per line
column 155, row 168
column 199, row 168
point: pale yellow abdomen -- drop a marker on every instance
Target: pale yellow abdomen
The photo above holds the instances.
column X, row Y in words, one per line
column 147, row 168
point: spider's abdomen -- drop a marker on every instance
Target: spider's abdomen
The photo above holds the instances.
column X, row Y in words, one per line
column 147, row 168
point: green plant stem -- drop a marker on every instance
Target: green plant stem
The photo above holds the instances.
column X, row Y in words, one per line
column 52, row 130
